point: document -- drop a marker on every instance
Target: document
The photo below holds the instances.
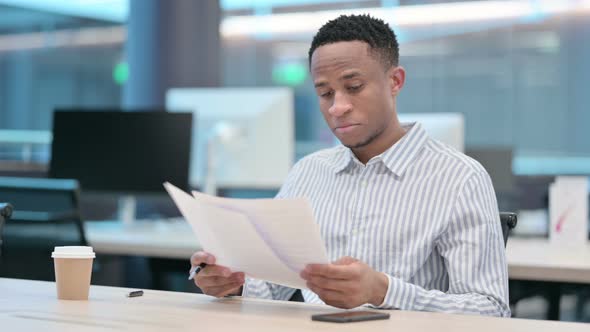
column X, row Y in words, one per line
column 268, row 239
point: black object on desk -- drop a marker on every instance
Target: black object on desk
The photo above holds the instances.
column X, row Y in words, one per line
column 135, row 293
column 350, row 316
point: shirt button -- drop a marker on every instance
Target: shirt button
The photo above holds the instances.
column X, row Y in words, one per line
column 364, row 183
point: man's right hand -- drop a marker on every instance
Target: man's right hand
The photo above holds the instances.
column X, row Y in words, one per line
column 216, row 280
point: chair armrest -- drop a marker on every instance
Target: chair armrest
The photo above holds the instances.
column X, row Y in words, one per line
column 5, row 210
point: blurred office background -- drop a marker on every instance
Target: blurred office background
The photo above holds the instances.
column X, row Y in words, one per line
column 517, row 71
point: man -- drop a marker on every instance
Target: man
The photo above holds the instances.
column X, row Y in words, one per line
column 409, row 222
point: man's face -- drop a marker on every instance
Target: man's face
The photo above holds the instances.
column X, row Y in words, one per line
column 356, row 92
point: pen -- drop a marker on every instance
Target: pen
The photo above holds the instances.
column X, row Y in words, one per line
column 135, row 293
column 196, row 270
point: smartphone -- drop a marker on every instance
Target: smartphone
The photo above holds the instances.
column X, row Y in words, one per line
column 350, row 316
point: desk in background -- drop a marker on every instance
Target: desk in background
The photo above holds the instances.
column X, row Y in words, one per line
column 161, row 239
column 538, row 268
column 538, row 259
column 32, row 305
column 169, row 245
column 528, row 259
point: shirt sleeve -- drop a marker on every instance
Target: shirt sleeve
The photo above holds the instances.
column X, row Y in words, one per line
column 266, row 290
column 472, row 247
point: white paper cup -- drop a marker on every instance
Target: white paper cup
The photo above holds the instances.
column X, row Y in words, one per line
column 73, row 270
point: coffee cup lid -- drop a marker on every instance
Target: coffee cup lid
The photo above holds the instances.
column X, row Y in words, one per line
column 73, row 252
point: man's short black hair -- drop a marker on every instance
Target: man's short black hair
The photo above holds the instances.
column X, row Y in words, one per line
column 373, row 31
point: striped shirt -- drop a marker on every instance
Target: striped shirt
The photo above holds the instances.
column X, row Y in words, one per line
column 421, row 212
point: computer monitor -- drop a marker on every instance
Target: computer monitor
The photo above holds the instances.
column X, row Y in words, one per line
column 448, row 128
column 244, row 136
column 124, row 152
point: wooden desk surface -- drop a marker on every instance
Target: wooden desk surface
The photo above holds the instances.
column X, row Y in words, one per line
column 32, row 306
column 528, row 259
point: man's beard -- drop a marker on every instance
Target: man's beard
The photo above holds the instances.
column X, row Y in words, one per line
column 366, row 142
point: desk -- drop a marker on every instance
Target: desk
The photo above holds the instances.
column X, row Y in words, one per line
column 547, row 268
column 26, row 138
column 160, row 239
column 528, row 259
column 538, row 259
column 32, row 306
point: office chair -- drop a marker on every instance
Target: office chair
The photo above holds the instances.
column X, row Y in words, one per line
column 5, row 213
column 508, row 221
column 46, row 214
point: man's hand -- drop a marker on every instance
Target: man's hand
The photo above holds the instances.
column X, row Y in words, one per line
column 346, row 283
column 216, row 280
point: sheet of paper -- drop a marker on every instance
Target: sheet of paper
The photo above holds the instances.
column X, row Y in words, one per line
column 286, row 224
column 231, row 236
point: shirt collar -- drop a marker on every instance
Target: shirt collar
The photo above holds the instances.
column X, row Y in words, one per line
column 343, row 160
column 397, row 158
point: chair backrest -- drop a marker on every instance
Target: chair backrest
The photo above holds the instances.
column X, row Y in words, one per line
column 508, row 221
column 38, row 200
column 42, row 200
column 40, row 194
column 46, row 214
column 5, row 213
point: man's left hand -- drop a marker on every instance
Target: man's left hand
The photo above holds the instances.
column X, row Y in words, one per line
column 346, row 283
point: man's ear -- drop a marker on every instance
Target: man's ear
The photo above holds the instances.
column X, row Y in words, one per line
column 397, row 78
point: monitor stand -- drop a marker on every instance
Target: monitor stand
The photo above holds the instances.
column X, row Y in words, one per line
column 126, row 209
column 210, row 185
